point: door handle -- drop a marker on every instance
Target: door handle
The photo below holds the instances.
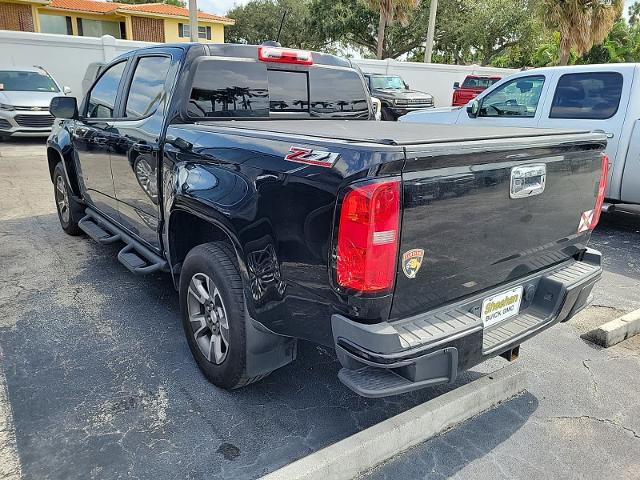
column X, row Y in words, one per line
column 142, row 148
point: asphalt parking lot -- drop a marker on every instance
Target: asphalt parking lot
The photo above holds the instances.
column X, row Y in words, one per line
column 100, row 382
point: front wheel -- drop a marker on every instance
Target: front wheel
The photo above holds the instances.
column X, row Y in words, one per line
column 69, row 210
column 213, row 314
column 387, row 115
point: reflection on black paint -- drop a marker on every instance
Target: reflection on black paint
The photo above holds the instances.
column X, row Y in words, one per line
column 224, row 88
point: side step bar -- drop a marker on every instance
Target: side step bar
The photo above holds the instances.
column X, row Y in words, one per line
column 135, row 256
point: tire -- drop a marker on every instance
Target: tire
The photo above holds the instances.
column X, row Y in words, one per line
column 69, row 210
column 224, row 365
column 387, row 116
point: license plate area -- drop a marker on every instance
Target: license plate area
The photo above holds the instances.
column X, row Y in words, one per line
column 501, row 306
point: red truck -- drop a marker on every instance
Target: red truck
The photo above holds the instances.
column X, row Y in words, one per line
column 471, row 87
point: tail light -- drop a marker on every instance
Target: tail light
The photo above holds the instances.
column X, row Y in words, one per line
column 602, row 188
column 589, row 219
column 367, row 244
column 284, row 55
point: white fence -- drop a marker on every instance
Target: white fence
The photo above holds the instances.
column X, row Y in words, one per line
column 67, row 58
column 434, row 78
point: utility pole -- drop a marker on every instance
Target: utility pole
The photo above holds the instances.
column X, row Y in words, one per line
column 193, row 20
column 433, row 8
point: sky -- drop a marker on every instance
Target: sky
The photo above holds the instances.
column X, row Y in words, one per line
column 219, row 7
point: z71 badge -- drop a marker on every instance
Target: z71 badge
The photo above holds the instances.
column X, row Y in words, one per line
column 411, row 262
column 312, row 157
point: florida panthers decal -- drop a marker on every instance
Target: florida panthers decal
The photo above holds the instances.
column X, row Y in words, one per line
column 312, row 157
column 411, row 262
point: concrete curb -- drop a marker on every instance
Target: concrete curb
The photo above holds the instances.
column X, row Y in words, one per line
column 368, row 448
column 616, row 330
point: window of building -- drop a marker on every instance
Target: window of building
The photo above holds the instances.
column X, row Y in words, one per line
column 98, row 28
column 517, row 98
column 592, row 95
column 147, row 90
column 102, row 100
column 184, row 31
column 55, row 24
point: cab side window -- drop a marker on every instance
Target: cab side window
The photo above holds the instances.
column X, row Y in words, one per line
column 591, row 95
column 147, row 91
column 102, row 100
column 517, row 98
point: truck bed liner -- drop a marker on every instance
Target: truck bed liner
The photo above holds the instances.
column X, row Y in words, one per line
column 389, row 133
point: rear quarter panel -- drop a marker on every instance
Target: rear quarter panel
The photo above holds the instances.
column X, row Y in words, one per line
column 279, row 214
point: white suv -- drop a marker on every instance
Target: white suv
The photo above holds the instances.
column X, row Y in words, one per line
column 25, row 95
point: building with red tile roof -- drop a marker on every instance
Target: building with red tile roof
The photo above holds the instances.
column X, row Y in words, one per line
column 150, row 22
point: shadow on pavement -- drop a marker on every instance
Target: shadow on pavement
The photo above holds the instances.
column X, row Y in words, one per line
column 102, row 384
column 618, row 238
column 446, row 455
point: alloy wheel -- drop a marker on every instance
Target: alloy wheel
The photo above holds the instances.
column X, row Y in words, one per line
column 208, row 318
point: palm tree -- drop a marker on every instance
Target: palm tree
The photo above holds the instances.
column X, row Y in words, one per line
column 391, row 10
column 581, row 23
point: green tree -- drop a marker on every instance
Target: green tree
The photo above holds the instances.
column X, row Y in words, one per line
column 390, row 11
column 500, row 32
column 581, row 23
column 634, row 14
column 352, row 24
column 259, row 20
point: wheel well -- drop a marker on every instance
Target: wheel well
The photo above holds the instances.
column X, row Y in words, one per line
column 53, row 157
column 187, row 231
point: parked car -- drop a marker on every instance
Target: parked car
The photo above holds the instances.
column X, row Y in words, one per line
column 25, row 94
column 91, row 73
column 395, row 95
column 414, row 253
column 470, row 88
column 593, row 97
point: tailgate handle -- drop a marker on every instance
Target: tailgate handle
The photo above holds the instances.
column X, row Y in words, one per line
column 528, row 180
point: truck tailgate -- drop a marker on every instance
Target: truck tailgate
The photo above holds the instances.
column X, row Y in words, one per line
column 464, row 232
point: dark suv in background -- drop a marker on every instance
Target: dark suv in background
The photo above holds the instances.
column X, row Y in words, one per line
column 395, row 95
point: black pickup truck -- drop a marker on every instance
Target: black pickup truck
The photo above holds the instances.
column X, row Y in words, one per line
column 256, row 178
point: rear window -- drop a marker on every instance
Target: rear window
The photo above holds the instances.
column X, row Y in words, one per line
column 227, row 88
column 591, row 95
column 474, row 82
column 239, row 89
column 288, row 91
column 337, row 93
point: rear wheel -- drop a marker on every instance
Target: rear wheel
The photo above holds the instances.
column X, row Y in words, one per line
column 69, row 210
column 213, row 314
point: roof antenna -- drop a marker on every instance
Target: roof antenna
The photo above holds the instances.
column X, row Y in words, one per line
column 284, row 14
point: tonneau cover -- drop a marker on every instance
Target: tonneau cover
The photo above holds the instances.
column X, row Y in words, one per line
column 388, row 133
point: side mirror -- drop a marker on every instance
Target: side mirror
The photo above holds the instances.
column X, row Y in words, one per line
column 473, row 107
column 66, row 90
column 406, row 85
column 64, row 107
column 456, row 85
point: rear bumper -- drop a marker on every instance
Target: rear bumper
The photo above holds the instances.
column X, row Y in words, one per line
column 396, row 357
